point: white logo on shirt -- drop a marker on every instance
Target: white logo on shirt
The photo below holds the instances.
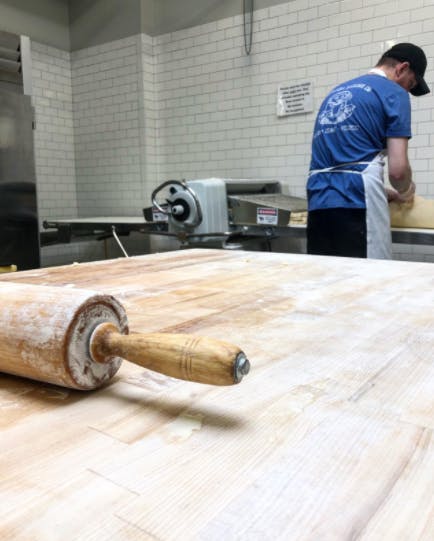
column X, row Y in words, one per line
column 337, row 108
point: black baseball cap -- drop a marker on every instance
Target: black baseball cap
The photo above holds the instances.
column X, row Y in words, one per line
column 407, row 52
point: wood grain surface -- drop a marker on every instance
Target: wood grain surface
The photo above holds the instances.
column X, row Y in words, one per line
column 328, row 438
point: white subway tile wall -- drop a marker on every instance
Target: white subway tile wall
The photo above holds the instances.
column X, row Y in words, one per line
column 192, row 104
column 107, row 103
column 88, row 146
column 54, row 136
column 148, row 121
column 54, row 143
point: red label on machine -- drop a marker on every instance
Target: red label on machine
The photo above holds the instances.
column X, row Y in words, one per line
column 267, row 216
column 158, row 216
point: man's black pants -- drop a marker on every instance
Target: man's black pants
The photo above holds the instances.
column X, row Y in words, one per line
column 338, row 232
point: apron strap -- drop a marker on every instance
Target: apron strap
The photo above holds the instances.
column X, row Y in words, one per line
column 338, row 168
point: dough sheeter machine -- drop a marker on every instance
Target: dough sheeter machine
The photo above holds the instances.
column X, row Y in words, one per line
column 213, row 212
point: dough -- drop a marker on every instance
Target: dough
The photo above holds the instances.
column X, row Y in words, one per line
column 419, row 215
column 298, row 218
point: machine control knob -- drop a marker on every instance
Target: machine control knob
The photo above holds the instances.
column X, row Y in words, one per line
column 177, row 210
column 181, row 208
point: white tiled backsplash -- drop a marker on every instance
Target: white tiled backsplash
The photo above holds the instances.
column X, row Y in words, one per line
column 116, row 120
column 54, row 134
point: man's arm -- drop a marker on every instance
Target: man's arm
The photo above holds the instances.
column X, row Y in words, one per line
column 400, row 174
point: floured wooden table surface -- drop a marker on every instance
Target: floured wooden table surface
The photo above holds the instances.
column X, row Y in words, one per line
column 328, row 438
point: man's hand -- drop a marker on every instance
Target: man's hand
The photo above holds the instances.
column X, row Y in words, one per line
column 408, row 195
column 402, row 197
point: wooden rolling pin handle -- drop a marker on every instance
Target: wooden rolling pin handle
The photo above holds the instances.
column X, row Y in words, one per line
column 181, row 356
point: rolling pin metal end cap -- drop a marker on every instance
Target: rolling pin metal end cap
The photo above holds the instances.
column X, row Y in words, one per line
column 241, row 367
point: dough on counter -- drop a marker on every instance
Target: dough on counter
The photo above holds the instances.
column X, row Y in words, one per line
column 419, row 215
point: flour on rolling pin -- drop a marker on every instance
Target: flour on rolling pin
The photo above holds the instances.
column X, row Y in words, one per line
column 76, row 338
column 45, row 331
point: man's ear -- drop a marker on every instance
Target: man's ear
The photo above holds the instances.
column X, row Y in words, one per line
column 402, row 67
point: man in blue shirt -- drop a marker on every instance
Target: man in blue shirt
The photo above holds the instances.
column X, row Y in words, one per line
column 360, row 123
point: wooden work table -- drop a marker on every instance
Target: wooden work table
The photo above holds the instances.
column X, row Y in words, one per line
column 330, row 437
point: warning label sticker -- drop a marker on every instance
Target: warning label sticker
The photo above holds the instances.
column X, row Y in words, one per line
column 267, row 216
column 158, row 216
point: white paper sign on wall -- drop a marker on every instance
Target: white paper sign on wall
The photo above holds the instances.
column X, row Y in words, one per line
column 294, row 99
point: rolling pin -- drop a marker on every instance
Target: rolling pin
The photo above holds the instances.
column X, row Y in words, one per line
column 77, row 338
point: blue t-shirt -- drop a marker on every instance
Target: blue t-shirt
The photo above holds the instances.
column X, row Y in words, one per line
column 352, row 125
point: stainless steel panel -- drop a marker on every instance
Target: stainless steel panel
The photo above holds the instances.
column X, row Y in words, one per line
column 9, row 41
column 8, row 54
column 11, row 78
column 19, row 230
column 243, row 209
column 251, row 186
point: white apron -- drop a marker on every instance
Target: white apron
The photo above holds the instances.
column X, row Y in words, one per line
column 378, row 235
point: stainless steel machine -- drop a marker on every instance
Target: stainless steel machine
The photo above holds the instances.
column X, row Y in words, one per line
column 19, row 228
column 212, row 212
column 226, row 212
